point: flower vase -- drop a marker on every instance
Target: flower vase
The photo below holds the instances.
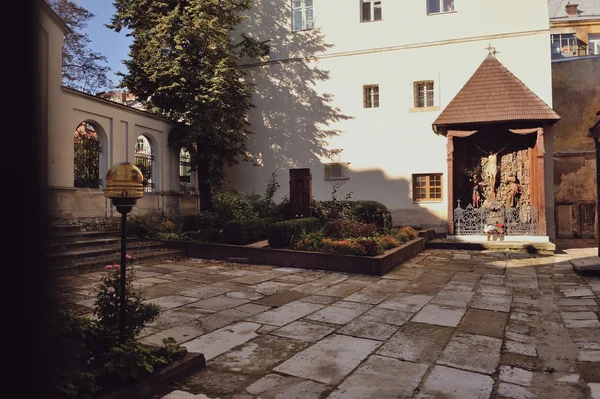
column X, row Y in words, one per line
column 488, row 237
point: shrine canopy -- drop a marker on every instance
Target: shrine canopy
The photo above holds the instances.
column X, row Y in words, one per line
column 493, row 95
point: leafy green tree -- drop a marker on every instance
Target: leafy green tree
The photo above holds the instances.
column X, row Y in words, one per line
column 185, row 63
column 82, row 68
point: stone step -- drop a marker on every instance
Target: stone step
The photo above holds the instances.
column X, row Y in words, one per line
column 542, row 248
column 114, row 249
column 61, row 247
column 65, row 228
column 82, row 236
column 98, row 263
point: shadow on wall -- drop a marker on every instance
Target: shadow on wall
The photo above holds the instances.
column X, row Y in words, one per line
column 395, row 193
column 291, row 120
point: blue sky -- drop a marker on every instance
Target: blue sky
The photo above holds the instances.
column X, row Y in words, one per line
column 114, row 46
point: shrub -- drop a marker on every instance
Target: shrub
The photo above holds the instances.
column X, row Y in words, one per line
column 310, row 241
column 284, row 233
column 200, row 221
column 335, row 209
column 210, row 235
column 343, row 247
column 284, row 208
column 108, row 305
column 388, row 242
column 231, row 205
column 150, row 225
column 404, row 234
column 349, row 229
column 247, row 231
column 372, row 212
column 370, row 246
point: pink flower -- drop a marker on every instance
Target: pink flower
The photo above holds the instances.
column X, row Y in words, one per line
column 111, row 289
column 127, row 256
column 108, row 267
column 116, row 267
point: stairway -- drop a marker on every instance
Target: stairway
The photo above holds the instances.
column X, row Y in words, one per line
column 72, row 251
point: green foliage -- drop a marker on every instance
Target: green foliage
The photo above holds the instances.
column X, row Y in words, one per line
column 388, row 242
column 247, row 231
column 89, row 363
column 231, row 205
column 138, row 313
column 284, row 233
column 185, row 63
column 204, row 221
column 310, row 241
column 343, row 228
column 404, row 234
column 336, row 209
column 284, row 208
column 150, row 225
column 372, row 212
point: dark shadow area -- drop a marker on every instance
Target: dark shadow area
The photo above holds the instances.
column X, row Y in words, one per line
column 292, row 120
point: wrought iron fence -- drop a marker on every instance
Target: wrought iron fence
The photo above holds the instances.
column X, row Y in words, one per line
column 87, row 161
column 521, row 220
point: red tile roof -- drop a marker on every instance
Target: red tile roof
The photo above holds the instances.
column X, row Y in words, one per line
column 494, row 94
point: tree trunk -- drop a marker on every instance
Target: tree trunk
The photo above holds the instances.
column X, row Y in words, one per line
column 204, row 188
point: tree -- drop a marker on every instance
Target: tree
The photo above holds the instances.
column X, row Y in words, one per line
column 82, row 68
column 185, row 62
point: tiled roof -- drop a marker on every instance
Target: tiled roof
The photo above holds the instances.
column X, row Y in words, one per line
column 588, row 9
column 494, row 94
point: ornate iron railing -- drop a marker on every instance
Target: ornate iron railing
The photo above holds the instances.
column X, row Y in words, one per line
column 521, row 220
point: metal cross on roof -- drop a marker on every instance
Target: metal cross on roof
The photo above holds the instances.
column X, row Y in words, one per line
column 491, row 50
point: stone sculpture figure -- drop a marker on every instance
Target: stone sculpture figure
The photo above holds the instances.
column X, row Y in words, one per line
column 476, row 197
column 491, row 169
column 514, row 190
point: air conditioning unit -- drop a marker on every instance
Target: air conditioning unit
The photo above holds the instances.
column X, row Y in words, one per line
column 336, row 170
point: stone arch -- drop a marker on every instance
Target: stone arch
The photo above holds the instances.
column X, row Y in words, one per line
column 146, row 158
column 90, row 144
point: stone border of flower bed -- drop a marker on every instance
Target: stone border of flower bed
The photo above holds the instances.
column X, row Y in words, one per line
column 156, row 381
column 372, row 265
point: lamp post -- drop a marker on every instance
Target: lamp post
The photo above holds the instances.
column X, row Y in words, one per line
column 124, row 187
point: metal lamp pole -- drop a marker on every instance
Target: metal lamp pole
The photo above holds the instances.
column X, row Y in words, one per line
column 124, row 185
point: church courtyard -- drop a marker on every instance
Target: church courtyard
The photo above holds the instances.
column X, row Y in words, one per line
column 445, row 324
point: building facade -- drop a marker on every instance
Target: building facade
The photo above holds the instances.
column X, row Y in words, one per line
column 351, row 90
column 574, row 28
column 84, row 135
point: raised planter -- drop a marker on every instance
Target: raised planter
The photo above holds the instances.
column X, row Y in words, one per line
column 157, row 380
column 373, row 265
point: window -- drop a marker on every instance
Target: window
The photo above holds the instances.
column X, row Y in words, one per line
column 567, row 45
column 302, row 14
column 371, row 96
column 336, row 171
column 439, row 6
column 186, row 176
column 371, row 11
column 423, row 94
column 427, row 187
column 144, row 160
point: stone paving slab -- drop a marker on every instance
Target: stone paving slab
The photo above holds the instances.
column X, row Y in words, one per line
column 417, row 342
column 442, row 315
column 335, row 315
column 448, row 383
column 470, row 352
column 484, row 322
column 406, row 302
column 222, row 340
column 500, row 303
column 287, row 313
column 330, row 360
column 304, row 331
column 275, row 386
column 381, row 378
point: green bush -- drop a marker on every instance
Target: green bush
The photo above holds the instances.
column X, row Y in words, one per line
column 210, row 235
column 349, row 229
column 284, row 233
column 231, row 205
column 372, row 212
column 150, row 225
column 242, row 232
column 199, row 221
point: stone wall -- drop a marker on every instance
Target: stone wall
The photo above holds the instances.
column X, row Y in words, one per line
column 576, row 101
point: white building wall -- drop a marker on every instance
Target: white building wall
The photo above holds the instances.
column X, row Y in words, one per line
column 386, row 145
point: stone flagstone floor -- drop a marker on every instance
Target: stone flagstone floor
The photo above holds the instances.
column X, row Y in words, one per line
column 446, row 324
